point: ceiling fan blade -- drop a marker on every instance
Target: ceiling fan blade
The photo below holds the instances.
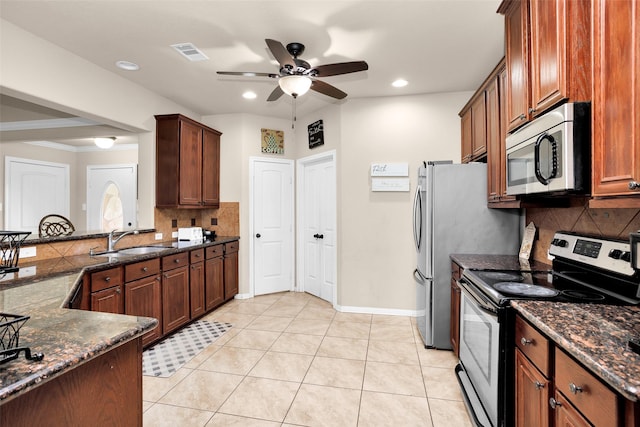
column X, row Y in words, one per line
column 277, row 93
column 280, row 53
column 248, row 74
column 340, row 68
column 327, row 89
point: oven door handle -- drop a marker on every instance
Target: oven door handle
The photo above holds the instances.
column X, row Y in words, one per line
column 481, row 301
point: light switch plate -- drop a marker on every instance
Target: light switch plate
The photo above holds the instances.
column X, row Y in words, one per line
column 158, row 236
column 174, row 234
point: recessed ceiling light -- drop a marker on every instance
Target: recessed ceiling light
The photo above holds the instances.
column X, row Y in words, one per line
column 249, row 95
column 126, row 65
column 400, row 83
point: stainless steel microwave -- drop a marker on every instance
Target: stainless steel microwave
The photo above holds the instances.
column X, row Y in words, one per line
column 552, row 153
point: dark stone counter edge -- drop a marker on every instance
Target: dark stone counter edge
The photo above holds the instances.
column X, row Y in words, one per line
column 615, row 382
column 37, row 378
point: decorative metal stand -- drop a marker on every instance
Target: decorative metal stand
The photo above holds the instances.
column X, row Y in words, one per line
column 10, row 325
column 10, row 242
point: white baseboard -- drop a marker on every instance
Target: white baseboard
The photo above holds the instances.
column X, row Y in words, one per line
column 243, row 296
column 376, row 310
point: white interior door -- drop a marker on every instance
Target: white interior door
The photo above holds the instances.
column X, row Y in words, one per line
column 112, row 197
column 34, row 189
column 272, row 225
column 317, row 210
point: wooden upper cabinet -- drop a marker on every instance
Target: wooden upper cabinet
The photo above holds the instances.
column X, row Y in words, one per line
column 616, row 103
column 466, row 131
column 473, row 122
column 187, row 163
column 548, row 51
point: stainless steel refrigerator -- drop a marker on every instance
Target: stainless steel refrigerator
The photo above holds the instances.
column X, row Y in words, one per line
column 450, row 215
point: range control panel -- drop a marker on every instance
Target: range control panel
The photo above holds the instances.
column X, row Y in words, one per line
column 609, row 254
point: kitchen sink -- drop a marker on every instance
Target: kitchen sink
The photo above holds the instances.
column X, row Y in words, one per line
column 137, row 250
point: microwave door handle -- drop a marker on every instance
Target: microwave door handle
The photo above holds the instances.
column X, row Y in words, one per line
column 554, row 158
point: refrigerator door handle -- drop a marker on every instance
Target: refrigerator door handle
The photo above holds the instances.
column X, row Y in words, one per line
column 417, row 218
column 419, row 277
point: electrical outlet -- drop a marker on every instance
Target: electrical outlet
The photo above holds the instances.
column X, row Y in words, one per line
column 28, row 252
column 174, row 234
column 27, row 271
column 158, row 236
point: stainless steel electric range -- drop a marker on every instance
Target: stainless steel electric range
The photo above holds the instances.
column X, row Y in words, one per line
column 585, row 269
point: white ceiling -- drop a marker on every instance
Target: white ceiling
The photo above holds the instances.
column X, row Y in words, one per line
column 437, row 45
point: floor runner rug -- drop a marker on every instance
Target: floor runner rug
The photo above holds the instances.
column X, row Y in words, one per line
column 164, row 358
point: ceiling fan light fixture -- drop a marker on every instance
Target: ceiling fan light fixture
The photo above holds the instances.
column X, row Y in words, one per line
column 105, row 143
column 295, row 85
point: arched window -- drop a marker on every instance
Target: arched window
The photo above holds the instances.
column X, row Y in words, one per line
column 112, row 213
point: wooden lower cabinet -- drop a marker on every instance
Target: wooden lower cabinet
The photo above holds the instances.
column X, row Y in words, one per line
column 230, row 270
column 143, row 297
column 553, row 389
column 108, row 300
column 214, row 277
column 532, row 394
column 175, row 299
column 197, row 283
column 105, row 391
column 454, row 327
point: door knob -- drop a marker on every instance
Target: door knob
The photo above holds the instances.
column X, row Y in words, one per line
column 258, row 236
column 320, row 236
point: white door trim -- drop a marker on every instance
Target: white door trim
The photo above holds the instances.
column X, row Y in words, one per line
column 252, row 162
column 329, row 156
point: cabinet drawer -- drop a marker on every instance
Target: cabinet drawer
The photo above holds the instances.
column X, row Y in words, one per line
column 214, row 251
column 170, row 262
column 106, row 279
column 591, row 397
column 141, row 269
column 196, row 256
column 231, row 247
column 533, row 344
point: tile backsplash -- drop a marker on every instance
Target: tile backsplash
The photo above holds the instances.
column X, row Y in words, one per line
column 578, row 217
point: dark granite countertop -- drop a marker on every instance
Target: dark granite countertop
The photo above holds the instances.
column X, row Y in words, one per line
column 66, row 337
column 595, row 335
column 498, row 262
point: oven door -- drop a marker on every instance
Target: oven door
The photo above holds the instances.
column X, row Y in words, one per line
column 480, row 351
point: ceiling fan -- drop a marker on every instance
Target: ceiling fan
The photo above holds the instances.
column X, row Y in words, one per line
column 296, row 76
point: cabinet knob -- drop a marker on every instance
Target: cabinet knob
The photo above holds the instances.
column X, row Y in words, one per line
column 522, row 117
column 532, row 110
column 634, row 185
column 107, row 279
column 575, row 389
column 525, row 341
column 553, row 403
column 177, row 260
column 539, row 385
column 144, row 268
column 118, row 291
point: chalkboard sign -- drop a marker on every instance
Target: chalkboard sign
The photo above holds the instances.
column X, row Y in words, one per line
column 316, row 134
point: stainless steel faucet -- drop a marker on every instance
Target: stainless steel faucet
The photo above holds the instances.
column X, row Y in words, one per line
column 111, row 243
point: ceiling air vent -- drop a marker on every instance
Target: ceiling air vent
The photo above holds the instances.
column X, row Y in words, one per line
column 189, row 51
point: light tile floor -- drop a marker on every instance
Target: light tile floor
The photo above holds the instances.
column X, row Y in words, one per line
column 292, row 360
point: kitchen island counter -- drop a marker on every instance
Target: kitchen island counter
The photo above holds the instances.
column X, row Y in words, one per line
column 596, row 335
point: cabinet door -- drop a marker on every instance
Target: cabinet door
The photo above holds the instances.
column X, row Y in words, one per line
column 566, row 414
column 230, row 275
column 455, row 316
column 494, row 138
column 466, row 131
column 210, row 168
column 196, row 292
column 108, row 300
column 479, row 126
column 214, row 282
column 190, row 164
column 143, row 297
column 517, row 57
column 175, row 299
column 616, row 98
column 532, row 394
